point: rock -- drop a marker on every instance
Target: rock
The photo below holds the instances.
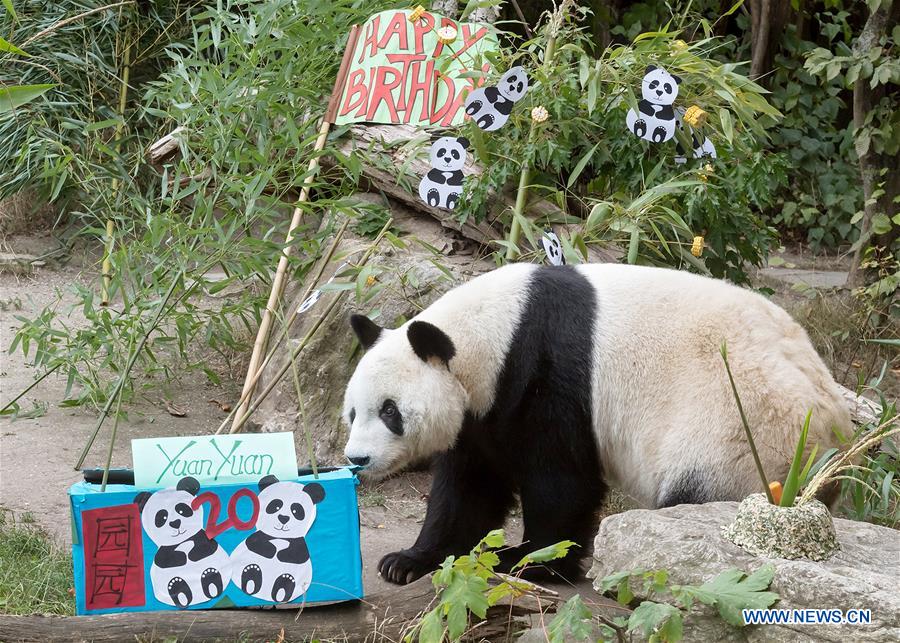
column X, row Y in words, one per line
column 687, row 542
column 765, row 529
column 407, row 280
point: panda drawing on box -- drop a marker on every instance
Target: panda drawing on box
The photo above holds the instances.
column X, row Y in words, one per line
column 189, row 568
column 491, row 106
column 546, row 384
column 655, row 119
column 443, row 184
column 273, row 562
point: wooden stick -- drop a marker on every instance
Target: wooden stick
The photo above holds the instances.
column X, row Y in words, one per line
column 265, row 326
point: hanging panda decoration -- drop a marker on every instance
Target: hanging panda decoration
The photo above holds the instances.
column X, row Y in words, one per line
column 655, row 120
column 443, row 184
column 491, row 106
column 552, row 248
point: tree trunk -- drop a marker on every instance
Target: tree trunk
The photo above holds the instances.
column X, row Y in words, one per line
column 767, row 21
column 871, row 164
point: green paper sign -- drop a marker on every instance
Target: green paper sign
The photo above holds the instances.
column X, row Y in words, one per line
column 402, row 72
column 216, row 459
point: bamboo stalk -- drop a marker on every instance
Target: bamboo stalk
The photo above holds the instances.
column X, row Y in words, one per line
column 110, row 223
column 30, row 386
column 265, row 326
column 245, row 401
column 515, row 229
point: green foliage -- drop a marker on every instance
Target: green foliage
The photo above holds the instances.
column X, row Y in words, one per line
column 583, row 154
column 35, row 574
column 870, row 490
column 729, row 592
column 571, row 623
column 825, row 192
column 795, row 473
column 247, row 89
column 463, row 590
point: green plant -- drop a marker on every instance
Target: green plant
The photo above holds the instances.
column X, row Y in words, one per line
column 729, row 593
column 462, row 588
column 583, row 157
column 35, row 574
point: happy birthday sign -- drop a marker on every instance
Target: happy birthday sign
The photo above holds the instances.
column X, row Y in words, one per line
column 405, row 71
column 160, row 462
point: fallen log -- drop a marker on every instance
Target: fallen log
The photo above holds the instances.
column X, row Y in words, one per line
column 384, row 616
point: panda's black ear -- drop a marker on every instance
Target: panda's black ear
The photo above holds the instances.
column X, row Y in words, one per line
column 462, row 140
column 428, row 341
column 677, row 79
column 141, row 499
column 649, row 69
column 189, row 484
column 315, row 491
column 265, row 482
column 366, row 330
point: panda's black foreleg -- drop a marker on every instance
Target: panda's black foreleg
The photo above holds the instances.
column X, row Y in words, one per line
column 556, row 506
column 467, row 500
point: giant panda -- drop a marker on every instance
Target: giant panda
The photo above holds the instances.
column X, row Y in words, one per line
column 551, row 382
column 491, row 106
column 189, row 567
column 273, row 563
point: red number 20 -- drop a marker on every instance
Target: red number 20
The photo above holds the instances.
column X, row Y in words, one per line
column 213, row 528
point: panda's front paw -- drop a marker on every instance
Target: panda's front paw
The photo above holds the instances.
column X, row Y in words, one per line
column 403, row 567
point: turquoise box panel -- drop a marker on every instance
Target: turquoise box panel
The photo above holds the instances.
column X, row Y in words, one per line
column 198, row 546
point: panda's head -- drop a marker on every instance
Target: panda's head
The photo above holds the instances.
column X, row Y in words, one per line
column 513, row 84
column 287, row 509
column 448, row 153
column 403, row 403
column 659, row 86
column 167, row 516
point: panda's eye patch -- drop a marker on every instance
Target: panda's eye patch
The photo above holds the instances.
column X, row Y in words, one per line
column 654, row 84
column 274, row 506
column 352, row 415
column 668, row 88
column 391, row 417
column 442, row 151
column 184, row 510
column 297, row 510
column 161, row 517
column 455, row 154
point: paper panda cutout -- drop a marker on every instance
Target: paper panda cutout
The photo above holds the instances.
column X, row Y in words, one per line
column 443, row 184
column 700, row 149
column 553, row 248
column 491, row 106
column 273, row 563
column 655, row 119
column 189, row 568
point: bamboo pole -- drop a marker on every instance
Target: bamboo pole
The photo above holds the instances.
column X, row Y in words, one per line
column 110, row 223
column 265, row 326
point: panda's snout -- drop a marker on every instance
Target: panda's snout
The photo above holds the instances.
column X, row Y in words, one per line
column 175, row 524
column 283, row 519
column 359, row 461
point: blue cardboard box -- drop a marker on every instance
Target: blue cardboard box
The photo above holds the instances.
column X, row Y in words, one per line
column 195, row 546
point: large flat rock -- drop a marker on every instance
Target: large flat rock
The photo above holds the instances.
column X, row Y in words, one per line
column 687, row 542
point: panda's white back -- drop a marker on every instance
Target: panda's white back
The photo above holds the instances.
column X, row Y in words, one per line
column 661, row 395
